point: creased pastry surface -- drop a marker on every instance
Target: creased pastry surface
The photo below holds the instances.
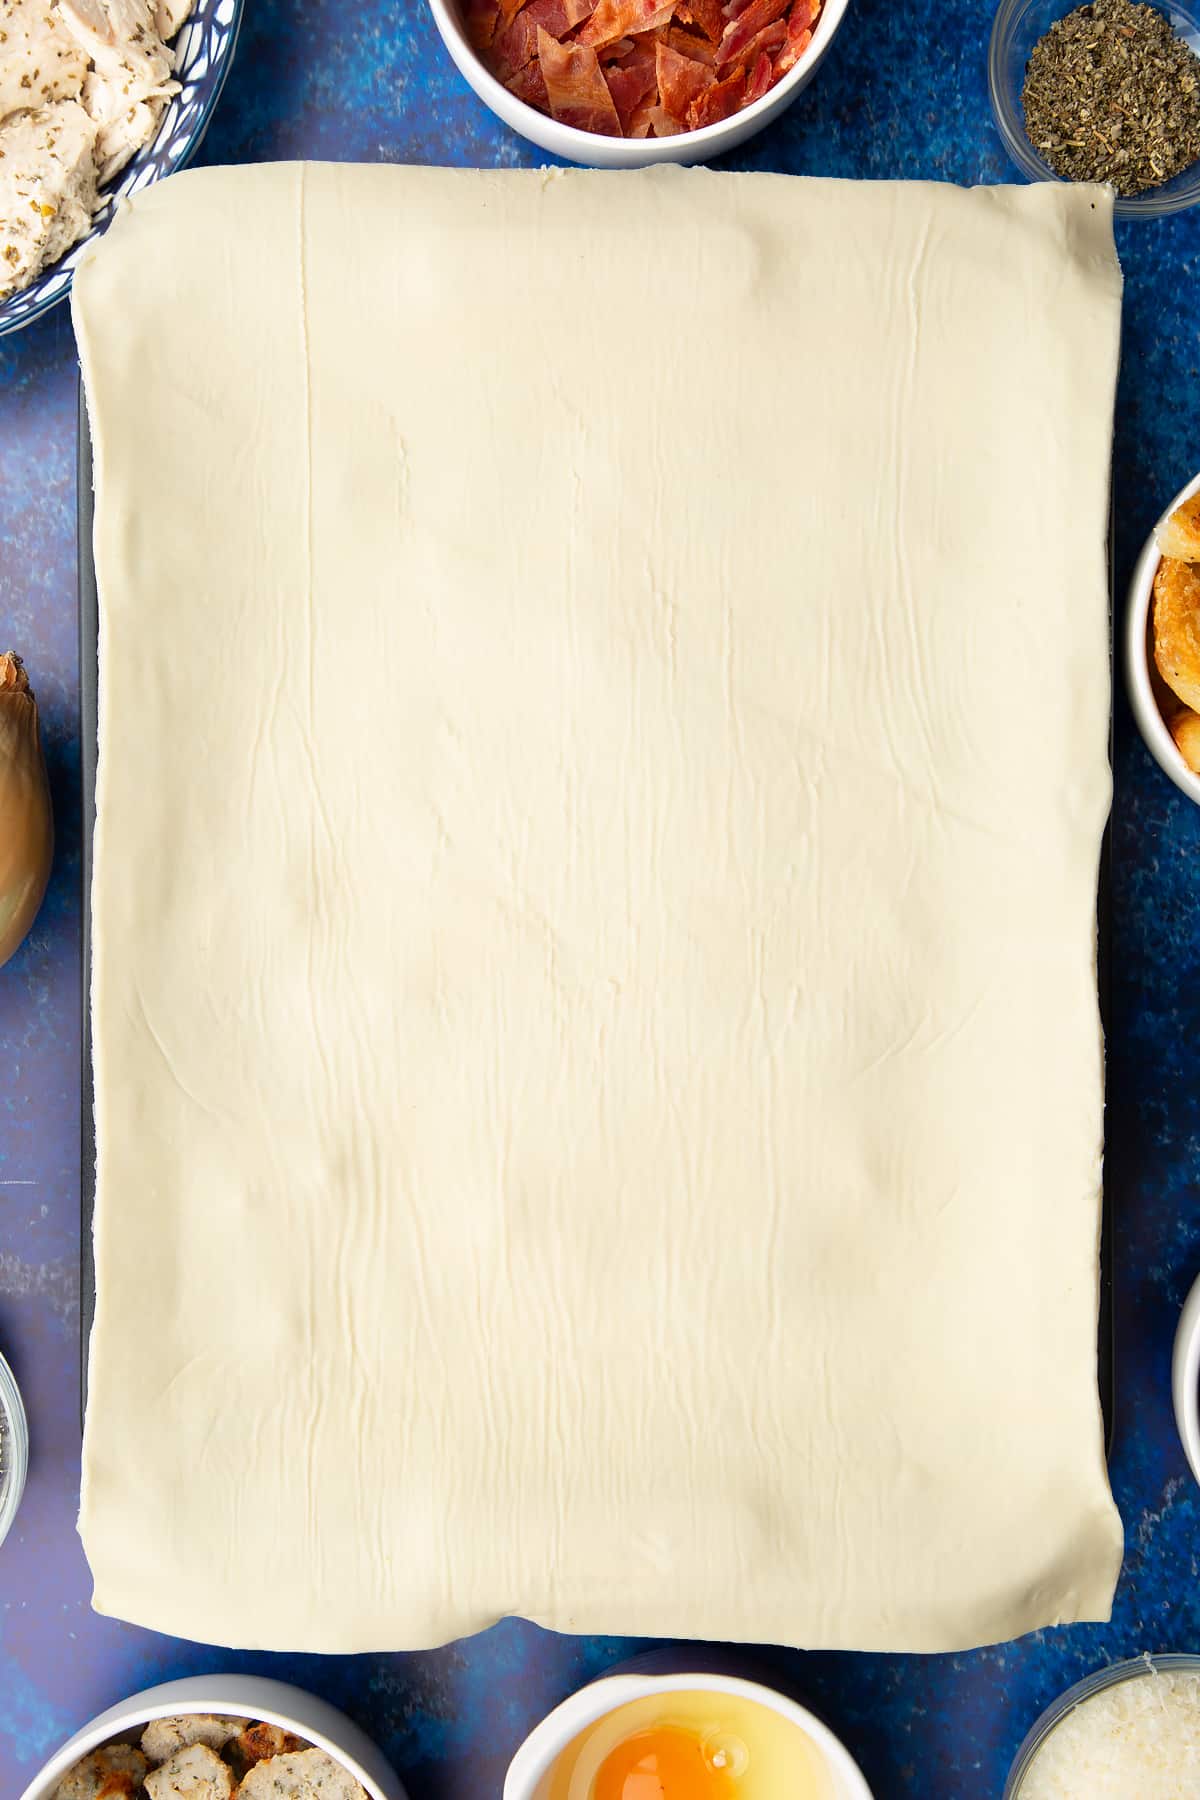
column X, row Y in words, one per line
column 603, row 763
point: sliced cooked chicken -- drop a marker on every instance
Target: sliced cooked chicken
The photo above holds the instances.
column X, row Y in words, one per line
column 40, row 61
column 110, row 1774
column 163, row 1737
column 126, row 118
column 170, row 15
column 194, row 1773
column 302, row 1775
column 119, row 36
column 47, row 188
column 83, row 85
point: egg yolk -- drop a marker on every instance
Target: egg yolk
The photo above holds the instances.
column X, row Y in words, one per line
column 665, row 1763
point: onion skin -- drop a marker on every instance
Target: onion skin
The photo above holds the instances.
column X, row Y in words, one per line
column 26, row 821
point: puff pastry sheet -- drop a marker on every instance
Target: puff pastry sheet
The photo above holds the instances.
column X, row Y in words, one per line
column 605, row 698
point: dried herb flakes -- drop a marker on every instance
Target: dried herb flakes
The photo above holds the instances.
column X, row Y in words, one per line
column 1112, row 94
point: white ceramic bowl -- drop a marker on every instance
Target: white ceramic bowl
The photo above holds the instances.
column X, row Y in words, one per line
column 1185, row 1378
column 1151, row 723
column 13, row 1485
column 246, row 1696
column 633, row 153
column 542, row 1748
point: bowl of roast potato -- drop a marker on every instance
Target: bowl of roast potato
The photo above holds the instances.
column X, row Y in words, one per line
column 223, row 1737
column 1162, row 642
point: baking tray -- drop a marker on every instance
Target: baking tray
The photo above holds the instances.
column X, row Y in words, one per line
column 89, row 649
column 89, row 727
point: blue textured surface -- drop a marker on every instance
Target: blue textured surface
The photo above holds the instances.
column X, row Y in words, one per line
column 902, row 94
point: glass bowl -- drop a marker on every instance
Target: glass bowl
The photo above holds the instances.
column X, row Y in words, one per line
column 1018, row 26
column 14, row 1452
column 1136, row 1667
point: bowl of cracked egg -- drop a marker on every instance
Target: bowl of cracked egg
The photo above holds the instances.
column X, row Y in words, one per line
column 1105, row 92
column 689, row 1736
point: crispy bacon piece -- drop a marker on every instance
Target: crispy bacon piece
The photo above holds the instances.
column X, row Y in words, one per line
column 762, row 74
column 718, row 101
column 680, row 81
column 791, row 53
column 741, row 32
column 576, row 87
column 662, row 124
column 641, row 123
column 801, row 20
column 705, row 15
column 689, row 43
column 516, row 42
column 770, row 39
column 529, row 85
column 622, row 18
column 512, row 48
column 481, row 17
column 636, row 68
column 633, row 84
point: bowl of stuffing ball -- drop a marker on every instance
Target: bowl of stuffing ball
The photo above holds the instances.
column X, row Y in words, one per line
column 1106, row 91
column 618, row 84
column 1162, row 641
column 98, row 98
column 219, row 1737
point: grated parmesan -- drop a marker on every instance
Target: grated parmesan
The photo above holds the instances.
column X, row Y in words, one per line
column 1136, row 1740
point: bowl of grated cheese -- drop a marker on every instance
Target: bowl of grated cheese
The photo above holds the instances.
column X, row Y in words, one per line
column 1128, row 1732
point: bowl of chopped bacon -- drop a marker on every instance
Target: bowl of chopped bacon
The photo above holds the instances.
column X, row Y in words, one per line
column 622, row 83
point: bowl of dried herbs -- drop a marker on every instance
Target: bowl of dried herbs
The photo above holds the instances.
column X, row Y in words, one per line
column 1105, row 92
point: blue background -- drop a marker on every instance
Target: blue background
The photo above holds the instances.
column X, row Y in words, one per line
column 903, row 93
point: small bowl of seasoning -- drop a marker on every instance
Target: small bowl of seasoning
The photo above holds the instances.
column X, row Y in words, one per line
column 14, row 1448
column 1106, row 92
column 1132, row 1729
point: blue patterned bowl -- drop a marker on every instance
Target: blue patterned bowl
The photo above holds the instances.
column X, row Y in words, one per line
column 204, row 50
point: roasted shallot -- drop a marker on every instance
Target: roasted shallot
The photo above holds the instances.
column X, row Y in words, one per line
column 26, row 822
